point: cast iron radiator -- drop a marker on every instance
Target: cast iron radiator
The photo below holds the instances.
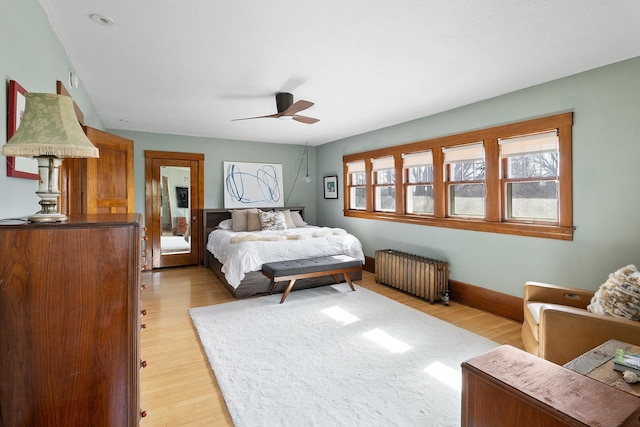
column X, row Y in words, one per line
column 424, row 277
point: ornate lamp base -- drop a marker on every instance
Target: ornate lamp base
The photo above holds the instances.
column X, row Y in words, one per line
column 49, row 169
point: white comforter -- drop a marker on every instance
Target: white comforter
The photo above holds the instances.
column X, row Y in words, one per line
column 252, row 249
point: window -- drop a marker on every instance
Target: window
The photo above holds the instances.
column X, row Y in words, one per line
column 357, row 185
column 418, row 179
column 530, row 177
column 465, row 171
column 384, row 184
column 512, row 179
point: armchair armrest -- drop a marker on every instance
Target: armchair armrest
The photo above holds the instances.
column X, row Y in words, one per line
column 567, row 332
column 553, row 294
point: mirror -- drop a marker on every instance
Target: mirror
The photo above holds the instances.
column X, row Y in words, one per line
column 175, row 208
column 174, row 198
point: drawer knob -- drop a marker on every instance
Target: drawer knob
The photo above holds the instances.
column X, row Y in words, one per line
column 143, row 312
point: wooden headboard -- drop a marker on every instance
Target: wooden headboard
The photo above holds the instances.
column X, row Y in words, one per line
column 212, row 217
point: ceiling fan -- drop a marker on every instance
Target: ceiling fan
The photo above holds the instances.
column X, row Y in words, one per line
column 287, row 109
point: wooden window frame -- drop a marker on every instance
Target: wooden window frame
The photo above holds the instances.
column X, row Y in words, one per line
column 349, row 185
column 505, row 180
column 494, row 220
column 406, row 183
column 451, row 181
column 449, row 203
column 377, row 185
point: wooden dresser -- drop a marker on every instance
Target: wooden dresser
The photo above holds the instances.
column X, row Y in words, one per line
column 70, row 322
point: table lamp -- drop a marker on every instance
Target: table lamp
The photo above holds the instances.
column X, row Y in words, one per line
column 49, row 132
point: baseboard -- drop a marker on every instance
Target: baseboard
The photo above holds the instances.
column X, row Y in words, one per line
column 494, row 302
column 504, row 305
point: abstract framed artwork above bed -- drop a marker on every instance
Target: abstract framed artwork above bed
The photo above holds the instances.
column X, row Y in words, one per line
column 242, row 253
column 248, row 185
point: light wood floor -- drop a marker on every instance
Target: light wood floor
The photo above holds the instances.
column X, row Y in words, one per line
column 178, row 387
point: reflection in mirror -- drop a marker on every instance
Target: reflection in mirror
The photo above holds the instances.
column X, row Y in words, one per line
column 175, row 208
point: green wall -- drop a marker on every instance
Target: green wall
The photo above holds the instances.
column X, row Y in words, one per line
column 217, row 151
column 606, row 174
column 30, row 54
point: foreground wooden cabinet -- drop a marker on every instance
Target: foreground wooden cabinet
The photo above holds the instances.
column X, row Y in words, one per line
column 70, row 322
column 509, row 387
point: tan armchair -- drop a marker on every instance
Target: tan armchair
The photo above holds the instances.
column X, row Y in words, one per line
column 558, row 327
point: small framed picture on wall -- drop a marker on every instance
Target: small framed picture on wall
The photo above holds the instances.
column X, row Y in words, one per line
column 182, row 196
column 18, row 167
column 331, row 187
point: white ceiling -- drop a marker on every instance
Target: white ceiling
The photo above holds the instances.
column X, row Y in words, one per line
column 188, row 67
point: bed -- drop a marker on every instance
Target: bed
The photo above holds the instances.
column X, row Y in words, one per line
column 236, row 258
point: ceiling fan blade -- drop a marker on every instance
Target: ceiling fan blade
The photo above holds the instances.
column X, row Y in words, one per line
column 297, row 107
column 287, row 109
column 258, row 117
column 305, row 119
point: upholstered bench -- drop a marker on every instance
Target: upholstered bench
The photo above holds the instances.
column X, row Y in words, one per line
column 283, row 271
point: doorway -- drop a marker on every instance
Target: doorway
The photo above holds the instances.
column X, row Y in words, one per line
column 174, row 196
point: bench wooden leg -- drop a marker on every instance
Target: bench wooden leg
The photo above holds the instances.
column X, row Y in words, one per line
column 286, row 291
column 348, row 279
column 274, row 284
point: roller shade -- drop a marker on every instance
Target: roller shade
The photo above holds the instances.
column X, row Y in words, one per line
column 417, row 159
column 536, row 143
column 383, row 163
column 354, row 167
column 464, row 153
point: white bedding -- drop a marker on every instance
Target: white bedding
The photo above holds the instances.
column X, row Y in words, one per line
column 252, row 249
column 175, row 244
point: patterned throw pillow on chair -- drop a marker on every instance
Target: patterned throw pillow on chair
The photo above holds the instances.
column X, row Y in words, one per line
column 619, row 296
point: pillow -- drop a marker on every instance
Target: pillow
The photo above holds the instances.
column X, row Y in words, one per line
column 253, row 220
column 226, row 224
column 288, row 219
column 297, row 219
column 619, row 296
column 239, row 220
column 273, row 220
column 187, row 234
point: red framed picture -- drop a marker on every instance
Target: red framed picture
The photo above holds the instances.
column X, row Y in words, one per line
column 18, row 167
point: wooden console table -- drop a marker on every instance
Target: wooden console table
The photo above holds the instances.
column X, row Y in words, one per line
column 598, row 364
column 509, row 387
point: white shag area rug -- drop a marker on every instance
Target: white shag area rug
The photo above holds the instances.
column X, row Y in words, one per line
column 332, row 357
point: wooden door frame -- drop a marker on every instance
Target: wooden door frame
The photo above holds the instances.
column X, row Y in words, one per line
column 155, row 159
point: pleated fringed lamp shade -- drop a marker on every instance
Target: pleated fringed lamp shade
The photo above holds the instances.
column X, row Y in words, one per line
column 49, row 131
column 49, row 128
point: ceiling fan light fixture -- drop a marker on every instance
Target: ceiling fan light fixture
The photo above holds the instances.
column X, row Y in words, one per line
column 307, row 178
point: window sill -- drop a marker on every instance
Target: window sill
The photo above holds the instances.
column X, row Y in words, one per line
column 519, row 229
